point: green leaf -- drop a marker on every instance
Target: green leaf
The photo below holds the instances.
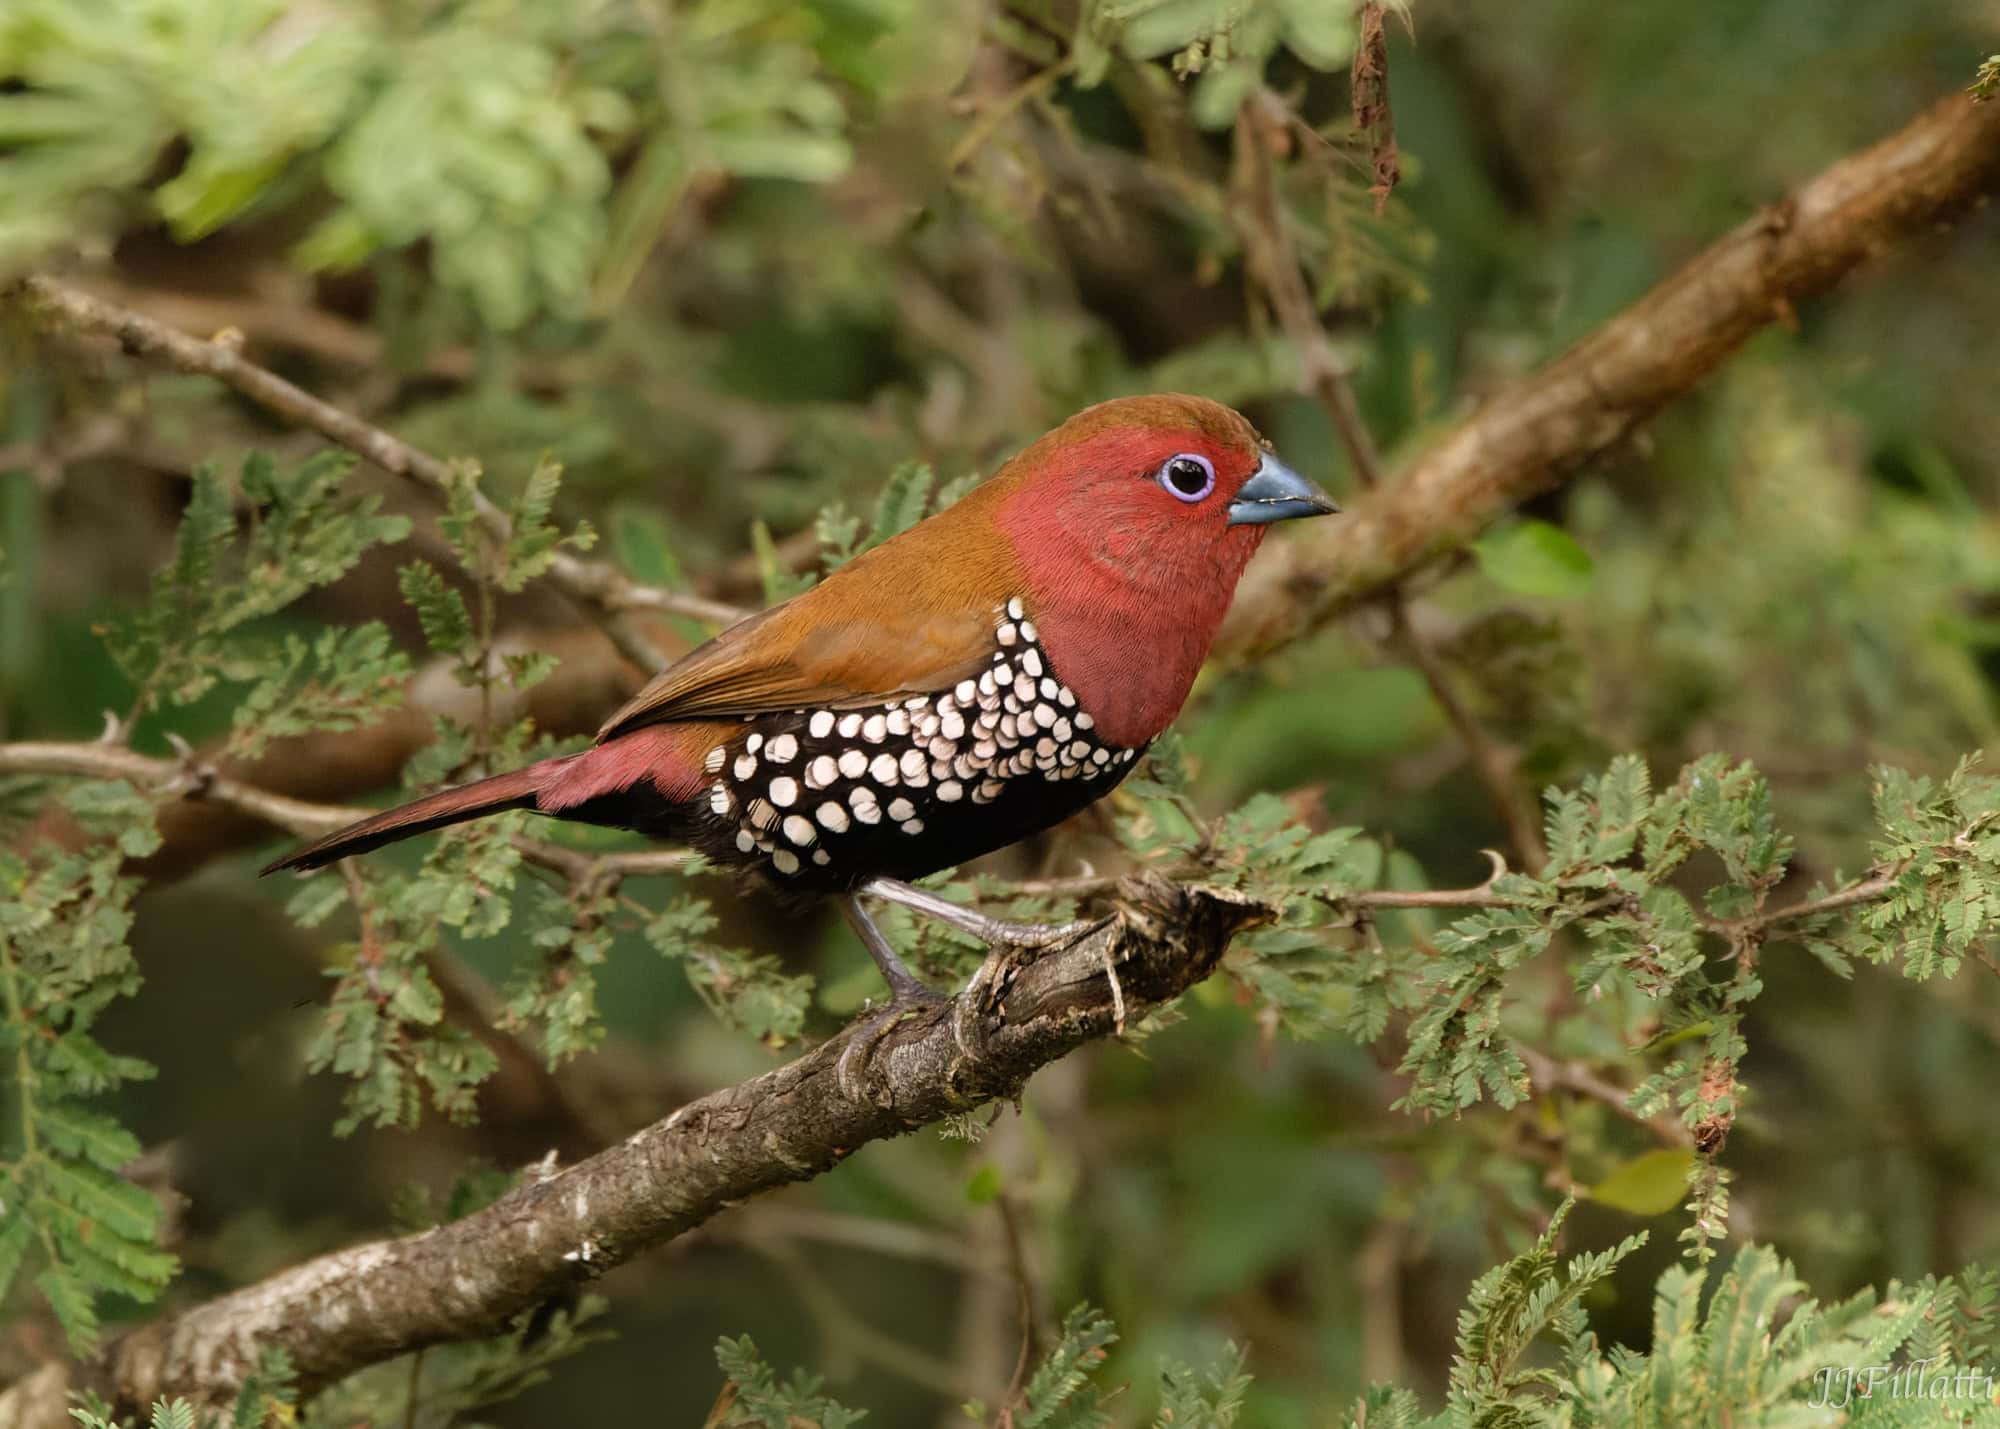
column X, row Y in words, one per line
column 643, row 543
column 447, row 624
column 901, row 503
column 1648, row 1185
column 1060, row 1391
column 1534, row 558
column 173, row 1414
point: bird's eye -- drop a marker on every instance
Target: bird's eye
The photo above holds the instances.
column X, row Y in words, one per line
column 1188, row 476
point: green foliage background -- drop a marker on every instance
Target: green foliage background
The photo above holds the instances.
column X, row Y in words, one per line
column 698, row 277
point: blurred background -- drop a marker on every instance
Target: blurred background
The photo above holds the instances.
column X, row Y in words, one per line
column 730, row 261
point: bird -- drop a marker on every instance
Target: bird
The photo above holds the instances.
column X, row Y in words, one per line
column 981, row 676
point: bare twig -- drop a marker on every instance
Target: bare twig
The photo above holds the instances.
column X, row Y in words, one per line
column 1024, row 1290
column 1576, row 1076
column 1494, row 763
column 1368, row 78
column 1866, row 890
column 1264, row 125
column 175, row 779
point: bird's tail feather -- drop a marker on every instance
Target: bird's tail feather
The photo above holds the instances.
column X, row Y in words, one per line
column 514, row 790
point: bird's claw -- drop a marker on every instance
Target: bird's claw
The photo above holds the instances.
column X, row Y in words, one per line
column 909, row 999
column 1040, row 935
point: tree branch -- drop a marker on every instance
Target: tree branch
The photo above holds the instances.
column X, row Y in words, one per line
column 1539, row 433
column 1025, row 1008
column 604, row 592
column 1264, row 124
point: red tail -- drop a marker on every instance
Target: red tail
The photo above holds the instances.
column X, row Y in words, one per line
column 515, row 790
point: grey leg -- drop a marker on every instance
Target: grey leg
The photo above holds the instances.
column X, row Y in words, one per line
column 907, row 994
column 904, row 985
column 970, row 920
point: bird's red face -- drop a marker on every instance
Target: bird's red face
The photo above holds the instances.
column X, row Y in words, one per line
column 1134, row 520
column 1153, row 491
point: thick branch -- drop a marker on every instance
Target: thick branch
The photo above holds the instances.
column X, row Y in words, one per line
column 603, row 591
column 1532, row 437
column 356, row 1307
column 1263, row 124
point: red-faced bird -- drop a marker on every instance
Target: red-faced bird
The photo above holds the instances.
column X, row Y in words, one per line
column 981, row 676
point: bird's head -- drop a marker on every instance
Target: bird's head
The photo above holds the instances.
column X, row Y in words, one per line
column 1160, row 491
column 1132, row 523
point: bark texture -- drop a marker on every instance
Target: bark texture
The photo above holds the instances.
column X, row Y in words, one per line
column 1536, row 435
column 1025, row 1008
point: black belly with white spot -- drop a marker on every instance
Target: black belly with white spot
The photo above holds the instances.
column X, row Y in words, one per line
column 826, row 799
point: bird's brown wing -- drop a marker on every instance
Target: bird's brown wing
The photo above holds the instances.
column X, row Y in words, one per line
column 827, row 649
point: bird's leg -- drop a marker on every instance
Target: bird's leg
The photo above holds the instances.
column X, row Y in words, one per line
column 907, row 993
column 904, row 985
column 988, row 930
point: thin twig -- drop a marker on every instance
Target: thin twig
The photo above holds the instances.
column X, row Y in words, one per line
column 1866, row 890
column 1576, row 1077
column 1493, row 762
column 995, row 114
column 188, row 779
column 1024, row 1289
column 601, row 590
column 1272, row 259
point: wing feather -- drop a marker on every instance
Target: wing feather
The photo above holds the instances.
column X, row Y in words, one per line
column 848, row 642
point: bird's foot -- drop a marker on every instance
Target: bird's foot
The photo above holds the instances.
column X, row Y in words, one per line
column 913, row 1000
column 908, row 996
column 989, row 930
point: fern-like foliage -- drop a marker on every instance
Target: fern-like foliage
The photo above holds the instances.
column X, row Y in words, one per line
column 1510, row 1307
column 1062, row 1392
column 1986, row 83
column 1208, row 1398
column 68, row 1217
column 754, row 1397
column 246, row 549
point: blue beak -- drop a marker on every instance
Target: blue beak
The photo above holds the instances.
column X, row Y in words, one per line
column 1277, row 493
